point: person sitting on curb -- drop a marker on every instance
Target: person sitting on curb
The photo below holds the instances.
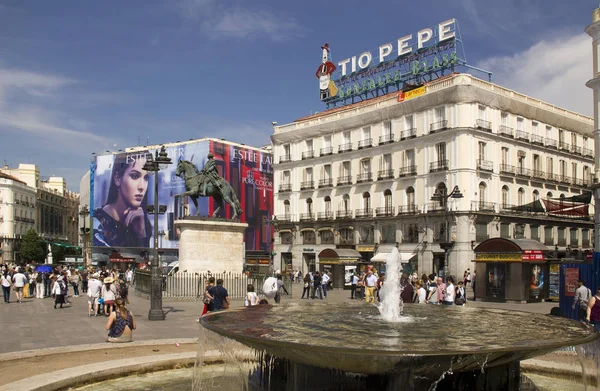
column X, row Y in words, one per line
column 120, row 324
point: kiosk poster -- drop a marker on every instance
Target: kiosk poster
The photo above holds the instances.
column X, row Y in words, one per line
column 554, row 282
column 496, row 284
column 571, row 278
column 536, row 285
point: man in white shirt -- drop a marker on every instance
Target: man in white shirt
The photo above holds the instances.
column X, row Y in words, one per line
column 353, row 282
column 370, row 283
column 582, row 296
column 129, row 277
column 449, row 292
column 94, row 288
column 324, row 282
column 421, row 293
column 19, row 281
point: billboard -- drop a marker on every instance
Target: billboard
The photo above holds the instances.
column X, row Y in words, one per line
column 121, row 190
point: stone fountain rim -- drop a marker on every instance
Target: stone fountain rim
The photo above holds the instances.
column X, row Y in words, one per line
column 257, row 341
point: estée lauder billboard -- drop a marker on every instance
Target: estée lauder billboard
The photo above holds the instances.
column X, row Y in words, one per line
column 121, row 190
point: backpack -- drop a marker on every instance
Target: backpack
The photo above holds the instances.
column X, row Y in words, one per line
column 39, row 278
column 123, row 290
column 63, row 287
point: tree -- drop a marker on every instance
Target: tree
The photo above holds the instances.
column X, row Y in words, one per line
column 32, row 247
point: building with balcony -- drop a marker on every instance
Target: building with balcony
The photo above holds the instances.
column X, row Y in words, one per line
column 369, row 187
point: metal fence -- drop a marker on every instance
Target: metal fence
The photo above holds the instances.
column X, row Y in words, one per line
column 190, row 286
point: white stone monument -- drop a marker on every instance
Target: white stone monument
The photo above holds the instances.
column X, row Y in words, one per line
column 209, row 244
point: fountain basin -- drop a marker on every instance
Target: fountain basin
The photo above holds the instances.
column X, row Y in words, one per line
column 430, row 339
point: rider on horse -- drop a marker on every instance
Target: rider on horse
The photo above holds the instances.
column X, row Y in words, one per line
column 211, row 172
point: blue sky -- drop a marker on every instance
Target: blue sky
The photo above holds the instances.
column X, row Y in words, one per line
column 78, row 77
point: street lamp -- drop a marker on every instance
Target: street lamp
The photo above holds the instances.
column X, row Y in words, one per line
column 84, row 213
column 160, row 158
column 442, row 198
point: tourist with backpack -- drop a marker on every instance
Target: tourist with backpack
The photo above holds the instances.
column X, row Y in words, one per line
column 39, row 285
column 582, row 296
column 59, row 290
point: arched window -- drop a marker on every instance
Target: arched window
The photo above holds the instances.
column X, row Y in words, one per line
column 327, row 206
column 366, row 201
column 536, row 195
column 505, row 196
column 309, row 206
column 346, row 203
column 286, row 209
column 387, row 201
column 443, row 190
column 482, row 190
column 520, row 196
column 549, row 195
column 410, row 198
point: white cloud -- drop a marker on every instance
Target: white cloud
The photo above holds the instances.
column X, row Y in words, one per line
column 554, row 70
column 220, row 21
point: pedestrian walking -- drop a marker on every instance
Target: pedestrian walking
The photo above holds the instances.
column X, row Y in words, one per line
column 325, row 283
column 75, row 279
column 582, row 297
column 219, row 296
column 370, row 283
column 84, row 280
column 39, row 285
column 317, row 285
column 19, row 281
column 94, row 291
column 6, row 281
column 59, row 290
column 353, row 282
column 306, row 289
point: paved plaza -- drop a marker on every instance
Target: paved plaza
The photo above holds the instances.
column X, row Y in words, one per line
column 35, row 324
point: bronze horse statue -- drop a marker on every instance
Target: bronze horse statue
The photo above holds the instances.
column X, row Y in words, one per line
column 195, row 183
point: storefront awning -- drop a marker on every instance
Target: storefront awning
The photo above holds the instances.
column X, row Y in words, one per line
column 338, row 256
column 382, row 257
column 511, row 250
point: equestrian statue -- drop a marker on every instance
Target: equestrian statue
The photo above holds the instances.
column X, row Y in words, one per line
column 207, row 183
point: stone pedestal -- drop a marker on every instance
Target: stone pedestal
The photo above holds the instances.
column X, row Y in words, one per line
column 210, row 244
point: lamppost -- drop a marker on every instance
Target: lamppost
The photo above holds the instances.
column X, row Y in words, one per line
column 84, row 213
column 156, row 312
column 442, row 198
column 272, row 253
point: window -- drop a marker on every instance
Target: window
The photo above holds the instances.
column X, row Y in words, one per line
column 387, row 129
column 285, row 178
column 346, row 138
column 410, row 196
column 519, row 231
column 537, row 165
column 326, row 172
column 549, row 132
column 345, row 170
column 327, row 141
column 504, row 119
column 521, row 160
column 574, row 139
column 309, row 145
column 346, row 236
column 308, row 177
column 505, row 156
column 327, row 205
column 481, row 112
column 482, row 189
column 520, row 124
column 287, row 151
column 534, row 128
column 388, row 233
column 309, row 237
column 550, row 165
column 574, row 170
column 536, row 195
column 505, row 196
column 366, row 234
column 561, row 136
column 481, row 232
column 441, row 151
column 346, row 203
column 411, row 233
column 387, row 200
column 365, row 166
column 287, row 209
column 366, row 201
column 563, row 168
column 586, row 175
column 482, row 146
column 520, row 197
column 326, row 237
column 439, row 114
column 309, row 206
column 286, row 238
column 409, row 122
column 386, row 162
column 409, row 158
column 585, row 142
column 366, row 133
column 442, row 190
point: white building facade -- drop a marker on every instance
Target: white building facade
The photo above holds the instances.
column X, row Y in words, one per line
column 361, row 177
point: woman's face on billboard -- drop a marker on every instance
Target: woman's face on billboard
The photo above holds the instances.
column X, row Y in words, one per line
column 133, row 184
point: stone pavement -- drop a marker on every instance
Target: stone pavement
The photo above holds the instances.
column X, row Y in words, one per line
column 35, row 324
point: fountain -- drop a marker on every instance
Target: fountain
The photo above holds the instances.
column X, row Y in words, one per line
column 354, row 346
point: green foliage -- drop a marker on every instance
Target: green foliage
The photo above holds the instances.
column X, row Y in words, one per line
column 32, row 247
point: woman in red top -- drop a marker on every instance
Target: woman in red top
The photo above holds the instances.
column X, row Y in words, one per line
column 593, row 310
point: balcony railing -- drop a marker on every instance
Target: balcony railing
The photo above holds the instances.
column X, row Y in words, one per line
column 386, row 138
column 538, row 174
column 385, row 174
column 563, row 145
column 308, row 154
column 577, row 150
column 588, row 152
column 484, row 125
column 307, row 185
column 344, row 180
column 345, row 147
column 364, row 213
column 485, row 165
column 364, row 177
column 307, row 216
column 507, row 169
column 483, row 206
column 550, row 142
column 285, row 217
column 410, row 209
column 385, row 211
column 408, row 133
column 587, row 180
column 536, row 139
column 552, row 177
column 523, row 172
column 506, row 131
column 325, row 183
column 366, row 143
column 326, row 151
column 521, row 135
column 407, row 171
column 285, row 187
column 578, row 181
column 343, row 214
column 438, row 126
column 565, row 179
column 435, row 207
column 440, row 165
column 285, row 158
column 325, row 215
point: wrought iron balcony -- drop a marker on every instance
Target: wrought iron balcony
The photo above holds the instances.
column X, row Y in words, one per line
column 307, row 185
column 285, row 217
column 483, row 206
column 438, row 126
column 485, row 165
column 538, row 174
column 507, row 169
column 343, row 214
column 345, row 147
column 523, row 172
column 326, row 151
column 435, row 207
column 484, row 125
column 536, row 139
column 588, row 152
column 521, row 135
column 285, row 187
column 307, row 216
column 440, row 165
column 385, row 174
column 385, row 211
column 285, row 158
column 386, row 138
column 587, row 181
column 407, row 171
column 408, row 133
column 364, row 177
column 550, row 143
column 577, row 181
column 364, row 213
column 344, row 180
column 563, row 145
column 565, row 179
column 506, row 131
column 577, row 150
column 325, row 215
column 552, row 177
column 410, row 209
column 366, row 143
column 308, row 154
column 325, row 183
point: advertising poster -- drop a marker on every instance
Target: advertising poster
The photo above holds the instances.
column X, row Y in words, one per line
column 554, row 282
column 536, row 284
column 495, row 281
column 122, row 190
column 571, row 279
